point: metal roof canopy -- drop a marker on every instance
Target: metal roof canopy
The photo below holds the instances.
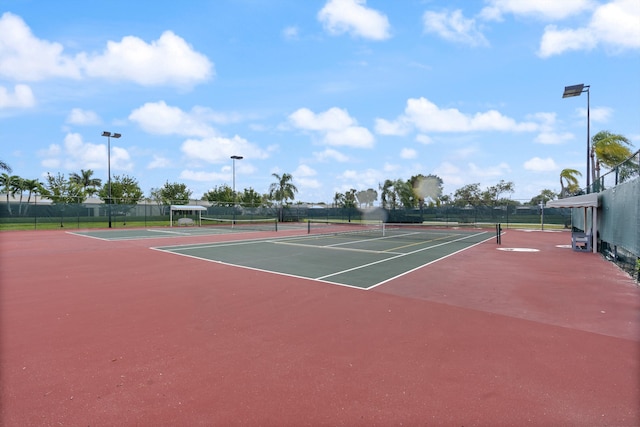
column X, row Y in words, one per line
column 586, row 201
column 194, row 208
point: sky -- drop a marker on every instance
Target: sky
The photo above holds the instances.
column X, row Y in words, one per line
column 341, row 94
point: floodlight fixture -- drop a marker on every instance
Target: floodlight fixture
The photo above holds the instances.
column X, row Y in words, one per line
column 235, row 197
column 109, row 135
column 576, row 90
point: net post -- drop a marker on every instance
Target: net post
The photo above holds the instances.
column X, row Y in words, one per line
column 308, row 227
column 276, row 223
column 498, row 234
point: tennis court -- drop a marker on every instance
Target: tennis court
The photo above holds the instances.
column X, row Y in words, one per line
column 209, row 226
column 106, row 331
column 357, row 255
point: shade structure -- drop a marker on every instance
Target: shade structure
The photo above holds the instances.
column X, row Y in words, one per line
column 585, row 201
column 188, row 208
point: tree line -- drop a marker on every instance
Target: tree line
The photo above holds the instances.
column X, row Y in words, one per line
column 608, row 150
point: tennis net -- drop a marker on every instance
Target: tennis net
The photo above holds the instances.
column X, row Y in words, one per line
column 400, row 231
column 257, row 224
column 372, row 229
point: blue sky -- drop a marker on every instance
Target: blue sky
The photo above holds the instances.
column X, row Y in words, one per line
column 339, row 93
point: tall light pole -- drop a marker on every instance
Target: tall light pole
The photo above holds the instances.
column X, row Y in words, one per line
column 576, row 90
column 235, row 198
column 109, row 135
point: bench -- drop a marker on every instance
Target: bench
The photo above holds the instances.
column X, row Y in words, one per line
column 581, row 241
column 186, row 221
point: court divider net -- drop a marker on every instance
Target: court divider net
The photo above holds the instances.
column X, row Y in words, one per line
column 257, row 224
column 378, row 229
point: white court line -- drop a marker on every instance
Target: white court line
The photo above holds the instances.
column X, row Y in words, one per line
column 169, row 232
column 88, row 236
column 295, row 276
column 322, row 279
column 335, row 247
column 400, row 256
column 429, row 263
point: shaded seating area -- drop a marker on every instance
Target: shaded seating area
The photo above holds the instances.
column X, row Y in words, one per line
column 186, row 221
column 186, row 210
column 582, row 240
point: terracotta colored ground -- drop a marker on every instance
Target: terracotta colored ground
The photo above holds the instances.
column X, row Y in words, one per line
column 112, row 333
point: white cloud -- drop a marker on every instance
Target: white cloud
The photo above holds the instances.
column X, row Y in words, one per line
column 332, row 119
column 330, row 154
column 291, row 32
column 308, row 183
column 615, row 25
column 548, row 134
column 170, row 60
column 203, row 176
column 22, row 97
column 537, row 164
column 598, row 114
column 551, row 138
column 453, row 26
column 465, row 153
column 555, row 42
column 361, row 180
column 397, row 128
column 27, row 58
column 424, row 139
column 76, row 154
column 335, row 125
column 450, row 174
column 456, row 175
column 219, row 150
column 408, row 153
column 352, row 16
column 161, row 119
column 618, row 24
column 488, row 171
column 426, row 116
column 78, row 116
column 85, row 155
column 553, row 10
column 159, row 162
column 304, row 171
column 51, row 156
column 353, row 136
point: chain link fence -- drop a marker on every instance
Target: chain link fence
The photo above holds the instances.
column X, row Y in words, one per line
column 44, row 214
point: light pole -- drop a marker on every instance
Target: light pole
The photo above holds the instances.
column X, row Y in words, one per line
column 235, row 198
column 576, row 90
column 109, row 135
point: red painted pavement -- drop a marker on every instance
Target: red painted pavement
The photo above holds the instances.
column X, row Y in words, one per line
column 112, row 333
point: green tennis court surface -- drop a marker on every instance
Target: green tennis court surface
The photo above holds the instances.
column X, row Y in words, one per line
column 209, row 227
column 361, row 258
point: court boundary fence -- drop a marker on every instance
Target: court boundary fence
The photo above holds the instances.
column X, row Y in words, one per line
column 44, row 214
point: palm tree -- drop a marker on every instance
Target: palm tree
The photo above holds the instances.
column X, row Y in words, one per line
column 89, row 185
column 9, row 184
column 386, row 192
column 33, row 186
column 571, row 187
column 608, row 149
column 5, row 167
column 282, row 190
